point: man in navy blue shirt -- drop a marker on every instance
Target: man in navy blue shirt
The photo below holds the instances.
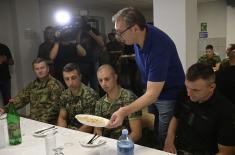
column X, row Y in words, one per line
column 159, row 65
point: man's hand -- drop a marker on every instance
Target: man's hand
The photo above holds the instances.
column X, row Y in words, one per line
column 2, row 111
column 11, row 100
column 117, row 118
column 3, row 59
column 169, row 147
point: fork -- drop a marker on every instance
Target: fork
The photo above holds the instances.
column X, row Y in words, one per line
column 41, row 131
column 95, row 139
column 91, row 140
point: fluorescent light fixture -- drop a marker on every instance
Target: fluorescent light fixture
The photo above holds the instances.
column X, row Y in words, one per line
column 62, row 17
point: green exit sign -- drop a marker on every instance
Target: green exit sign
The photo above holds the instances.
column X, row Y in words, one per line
column 203, row 27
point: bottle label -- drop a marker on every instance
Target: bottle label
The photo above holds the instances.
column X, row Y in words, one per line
column 14, row 133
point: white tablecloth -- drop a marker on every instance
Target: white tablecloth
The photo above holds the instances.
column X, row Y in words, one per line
column 66, row 138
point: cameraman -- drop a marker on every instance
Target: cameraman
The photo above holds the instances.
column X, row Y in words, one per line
column 93, row 43
column 45, row 47
column 65, row 50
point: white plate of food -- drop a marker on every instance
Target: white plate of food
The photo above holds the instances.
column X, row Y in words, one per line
column 97, row 142
column 92, row 120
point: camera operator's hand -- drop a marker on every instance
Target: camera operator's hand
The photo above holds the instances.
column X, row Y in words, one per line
column 57, row 36
column 87, row 28
column 97, row 38
column 78, row 38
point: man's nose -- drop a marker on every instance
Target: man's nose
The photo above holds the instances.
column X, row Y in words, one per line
column 69, row 82
column 189, row 92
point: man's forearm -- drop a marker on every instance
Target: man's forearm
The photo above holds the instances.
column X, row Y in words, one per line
column 171, row 130
column 54, row 51
column 139, row 104
column 150, row 96
column 85, row 128
column 98, row 39
column 61, row 122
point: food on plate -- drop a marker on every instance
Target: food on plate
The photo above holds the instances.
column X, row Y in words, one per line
column 91, row 120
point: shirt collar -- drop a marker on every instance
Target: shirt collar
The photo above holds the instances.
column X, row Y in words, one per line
column 42, row 83
column 80, row 91
column 120, row 92
column 147, row 40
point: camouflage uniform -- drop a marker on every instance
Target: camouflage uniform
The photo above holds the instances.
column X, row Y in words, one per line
column 84, row 103
column 105, row 109
column 42, row 96
column 210, row 61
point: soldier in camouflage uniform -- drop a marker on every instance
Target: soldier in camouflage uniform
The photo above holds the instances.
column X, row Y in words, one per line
column 210, row 58
column 42, row 93
column 115, row 98
column 77, row 99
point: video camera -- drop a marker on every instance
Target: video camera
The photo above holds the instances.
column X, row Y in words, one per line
column 69, row 32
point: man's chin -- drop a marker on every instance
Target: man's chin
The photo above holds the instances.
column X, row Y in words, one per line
column 193, row 100
column 41, row 77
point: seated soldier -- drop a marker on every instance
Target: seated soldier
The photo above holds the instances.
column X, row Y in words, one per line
column 203, row 122
column 42, row 93
column 77, row 99
column 115, row 98
column 210, row 58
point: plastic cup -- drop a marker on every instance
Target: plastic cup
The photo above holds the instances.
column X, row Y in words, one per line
column 50, row 144
column 2, row 134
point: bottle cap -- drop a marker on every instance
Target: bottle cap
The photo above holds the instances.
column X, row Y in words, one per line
column 125, row 132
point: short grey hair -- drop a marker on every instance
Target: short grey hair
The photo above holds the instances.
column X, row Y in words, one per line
column 131, row 16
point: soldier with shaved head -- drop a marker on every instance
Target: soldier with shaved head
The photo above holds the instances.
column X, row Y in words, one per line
column 116, row 97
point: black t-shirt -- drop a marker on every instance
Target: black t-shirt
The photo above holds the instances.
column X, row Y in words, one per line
column 4, row 68
column 45, row 49
column 90, row 45
column 204, row 125
column 67, row 54
column 225, row 82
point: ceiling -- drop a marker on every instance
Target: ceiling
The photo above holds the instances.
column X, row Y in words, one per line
column 117, row 4
column 114, row 5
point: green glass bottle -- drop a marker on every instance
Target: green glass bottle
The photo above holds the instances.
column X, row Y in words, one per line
column 13, row 124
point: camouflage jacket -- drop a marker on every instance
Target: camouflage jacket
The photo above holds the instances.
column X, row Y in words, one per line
column 84, row 103
column 105, row 109
column 42, row 96
column 210, row 61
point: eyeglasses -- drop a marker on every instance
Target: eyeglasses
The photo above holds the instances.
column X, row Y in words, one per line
column 119, row 34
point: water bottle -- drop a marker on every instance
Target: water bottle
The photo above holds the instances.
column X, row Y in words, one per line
column 125, row 145
column 13, row 124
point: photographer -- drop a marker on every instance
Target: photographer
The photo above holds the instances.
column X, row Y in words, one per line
column 93, row 43
column 65, row 50
column 45, row 47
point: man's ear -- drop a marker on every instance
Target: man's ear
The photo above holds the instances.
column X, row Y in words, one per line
column 213, row 86
column 115, row 76
column 79, row 76
column 136, row 28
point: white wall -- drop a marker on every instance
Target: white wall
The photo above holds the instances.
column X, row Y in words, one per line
column 214, row 14
column 178, row 20
column 230, row 25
